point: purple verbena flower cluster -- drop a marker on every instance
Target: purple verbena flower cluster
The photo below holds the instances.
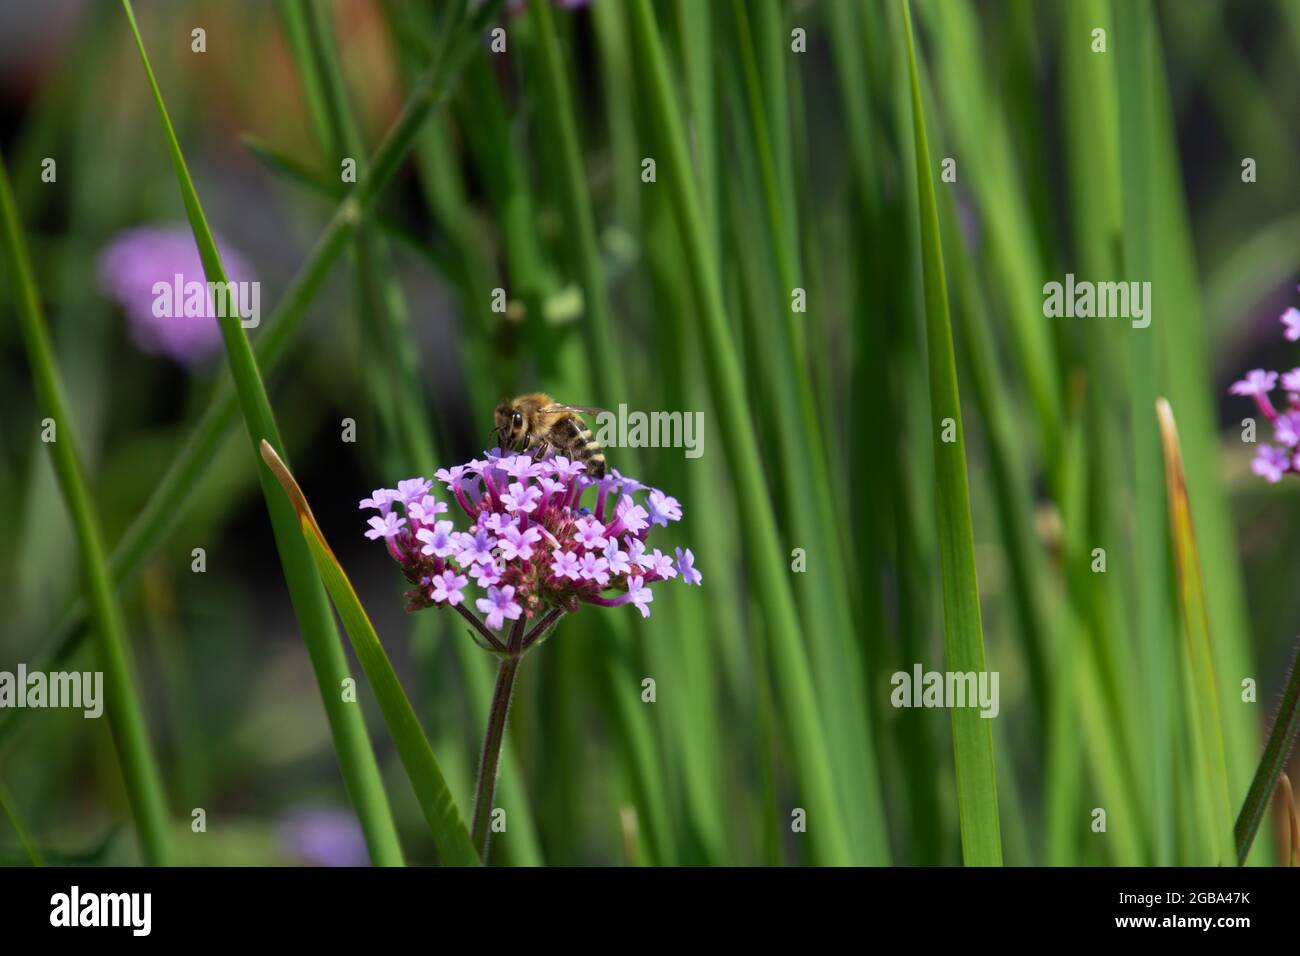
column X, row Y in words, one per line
column 531, row 545
column 1271, row 462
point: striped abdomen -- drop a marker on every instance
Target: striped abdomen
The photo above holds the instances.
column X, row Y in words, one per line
column 577, row 441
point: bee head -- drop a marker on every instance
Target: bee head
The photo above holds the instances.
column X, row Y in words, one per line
column 509, row 425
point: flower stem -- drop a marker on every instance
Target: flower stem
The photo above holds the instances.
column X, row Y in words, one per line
column 541, row 627
column 480, row 627
column 1286, row 727
column 493, row 739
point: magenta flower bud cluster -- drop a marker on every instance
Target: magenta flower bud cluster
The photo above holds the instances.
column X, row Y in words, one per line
column 1273, row 461
column 531, row 544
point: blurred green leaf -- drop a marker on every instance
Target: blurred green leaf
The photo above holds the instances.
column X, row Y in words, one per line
column 139, row 767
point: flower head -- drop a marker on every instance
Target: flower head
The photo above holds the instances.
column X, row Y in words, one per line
column 531, row 544
column 1272, row 463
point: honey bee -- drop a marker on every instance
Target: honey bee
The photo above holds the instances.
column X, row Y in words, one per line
column 537, row 424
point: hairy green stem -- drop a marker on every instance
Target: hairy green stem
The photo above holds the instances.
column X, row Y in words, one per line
column 489, row 762
column 1280, row 740
column 495, row 735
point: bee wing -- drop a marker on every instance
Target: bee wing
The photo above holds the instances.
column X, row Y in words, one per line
column 576, row 409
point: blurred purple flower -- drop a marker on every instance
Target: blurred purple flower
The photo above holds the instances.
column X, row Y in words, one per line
column 1272, row 463
column 135, row 260
column 1287, row 429
column 1291, row 323
column 324, row 836
column 1256, row 382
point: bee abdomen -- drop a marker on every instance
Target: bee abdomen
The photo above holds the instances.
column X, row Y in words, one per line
column 587, row 450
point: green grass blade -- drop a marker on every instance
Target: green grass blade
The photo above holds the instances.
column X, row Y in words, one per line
column 803, row 488
column 130, row 734
column 360, row 770
column 393, row 366
column 390, row 354
column 1012, row 494
column 7, row 807
column 1196, row 630
column 1091, row 125
column 696, row 32
column 1081, row 733
column 980, row 129
column 295, row 171
column 436, row 802
column 977, row 796
column 1191, row 389
column 485, row 120
column 769, row 574
column 558, row 103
